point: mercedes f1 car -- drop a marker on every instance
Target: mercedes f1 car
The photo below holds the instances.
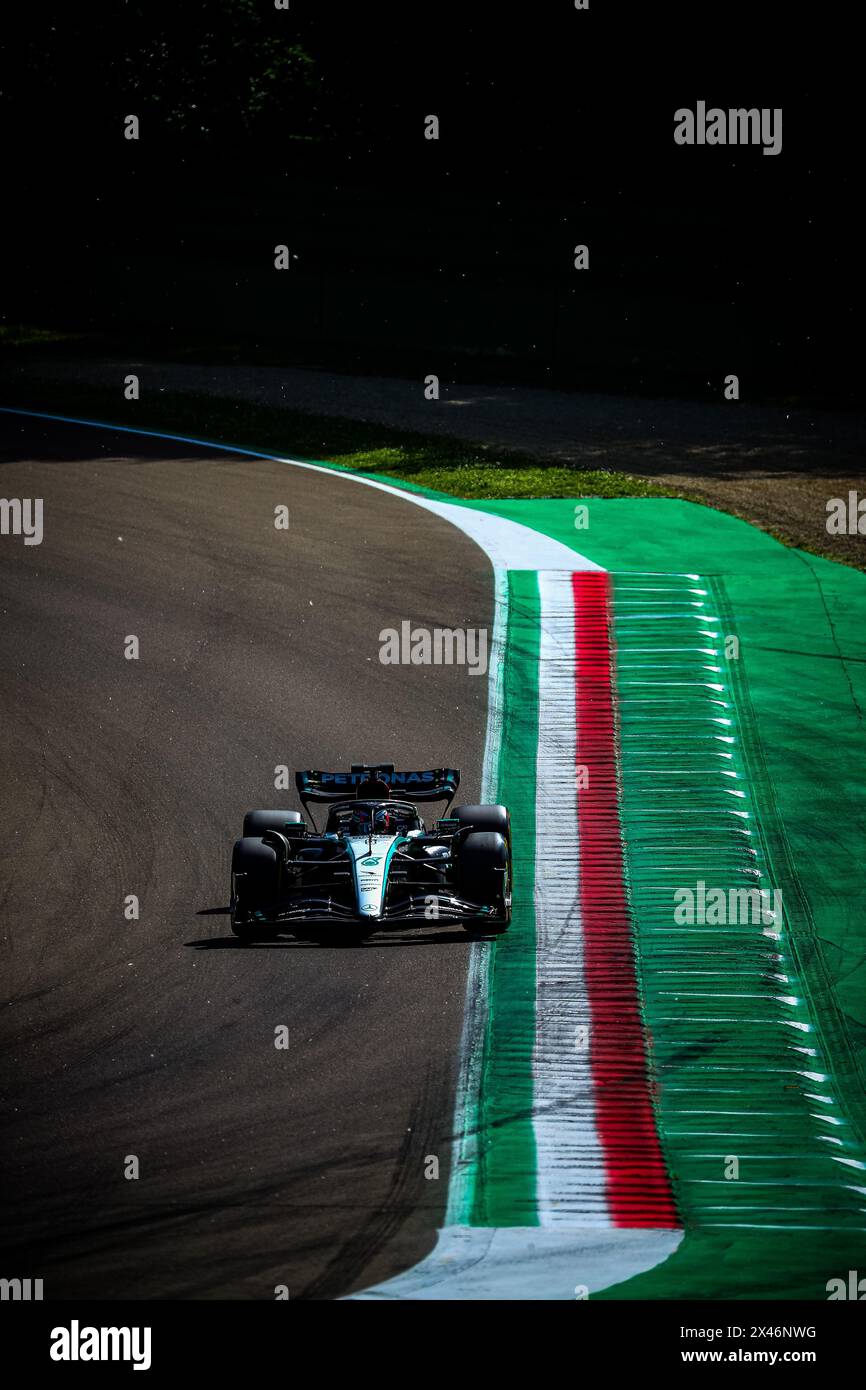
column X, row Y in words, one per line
column 374, row 864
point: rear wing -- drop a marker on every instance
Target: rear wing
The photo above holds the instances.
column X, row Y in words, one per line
column 434, row 784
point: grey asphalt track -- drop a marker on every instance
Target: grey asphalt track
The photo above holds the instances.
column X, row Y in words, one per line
column 155, row 1038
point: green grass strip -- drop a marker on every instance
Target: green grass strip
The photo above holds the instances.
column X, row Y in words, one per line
column 431, row 463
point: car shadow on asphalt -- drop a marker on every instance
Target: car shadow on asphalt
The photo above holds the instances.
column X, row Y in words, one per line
column 379, row 939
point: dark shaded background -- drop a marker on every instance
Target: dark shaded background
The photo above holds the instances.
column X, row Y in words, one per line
column 305, row 127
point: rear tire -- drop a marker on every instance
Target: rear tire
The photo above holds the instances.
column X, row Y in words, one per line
column 257, row 822
column 490, row 818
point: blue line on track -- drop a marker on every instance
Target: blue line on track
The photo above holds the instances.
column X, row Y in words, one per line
column 158, row 434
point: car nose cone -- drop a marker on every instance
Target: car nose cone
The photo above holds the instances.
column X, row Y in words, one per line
column 371, row 867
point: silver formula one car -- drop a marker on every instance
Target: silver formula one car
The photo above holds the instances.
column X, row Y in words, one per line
column 374, row 864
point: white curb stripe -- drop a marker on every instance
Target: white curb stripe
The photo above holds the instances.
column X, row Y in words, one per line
column 571, row 1172
column 508, row 544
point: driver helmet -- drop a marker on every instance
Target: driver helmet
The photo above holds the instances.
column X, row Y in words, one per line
column 359, row 821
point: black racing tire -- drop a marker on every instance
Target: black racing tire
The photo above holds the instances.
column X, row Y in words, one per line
column 492, row 818
column 255, row 885
column 257, row 822
column 247, row 931
column 484, row 877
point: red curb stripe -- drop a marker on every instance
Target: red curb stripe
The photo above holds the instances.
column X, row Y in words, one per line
column 638, row 1186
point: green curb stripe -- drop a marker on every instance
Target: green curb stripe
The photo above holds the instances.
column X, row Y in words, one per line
column 468, row 1138
column 504, row 1190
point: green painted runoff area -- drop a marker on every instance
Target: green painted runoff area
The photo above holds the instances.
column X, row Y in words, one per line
column 800, row 686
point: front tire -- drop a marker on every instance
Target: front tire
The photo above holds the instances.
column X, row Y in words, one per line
column 255, row 886
column 484, row 877
column 245, row 930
